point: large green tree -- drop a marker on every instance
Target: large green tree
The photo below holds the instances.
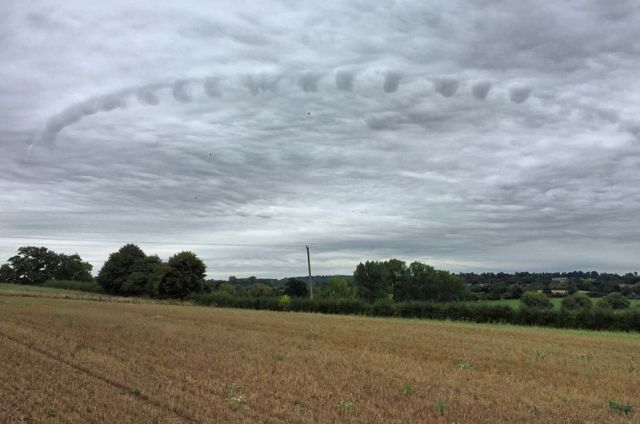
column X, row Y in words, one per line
column 117, row 269
column 35, row 265
column 372, row 281
column 185, row 276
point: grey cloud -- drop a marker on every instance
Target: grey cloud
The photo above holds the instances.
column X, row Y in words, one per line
column 76, row 112
column 261, row 83
column 344, row 80
column 446, row 86
column 391, row 82
column 309, row 82
column 180, row 91
column 147, row 96
column 480, row 90
column 211, row 87
column 519, row 94
column 384, row 121
column 457, row 182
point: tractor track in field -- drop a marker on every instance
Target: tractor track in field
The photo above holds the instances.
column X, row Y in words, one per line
column 114, row 383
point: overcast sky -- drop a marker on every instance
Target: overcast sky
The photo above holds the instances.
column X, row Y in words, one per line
column 471, row 135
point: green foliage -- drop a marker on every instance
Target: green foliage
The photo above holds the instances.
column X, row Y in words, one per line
column 407, row 388
column 393, row 279
column 284, row 302
column 186, row 276
column 35, row 265
column 7, row 274
column 117, row 269
column 614, row 301
column 71, row 267
column 429, row 283
column 621, row 408
column 372, row 281
column 260, row 290
column 85, row 286
column 595, row 319
column 535, row 300
column 158, row 271
column 576, row 301
column 296, row 288
column 138, row 281
column 346, row 405
column 338, row 288
column 440, row 406
column 227, row 288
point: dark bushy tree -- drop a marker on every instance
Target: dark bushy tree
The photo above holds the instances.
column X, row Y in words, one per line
column 7, row 274
column 576, row 301
column 185, row 276
column 117, row 269
column 535, row 300
column 614, row 301
column 296, row 288
column 138, row 282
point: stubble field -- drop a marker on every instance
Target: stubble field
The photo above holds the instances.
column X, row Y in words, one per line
column 79, row 360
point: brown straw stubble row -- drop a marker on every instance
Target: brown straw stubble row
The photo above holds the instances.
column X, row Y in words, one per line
column 81, row 361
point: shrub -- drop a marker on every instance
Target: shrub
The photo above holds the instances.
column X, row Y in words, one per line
column 614, row 301
column 576, row 301
column 535, row 300
column 284, row 301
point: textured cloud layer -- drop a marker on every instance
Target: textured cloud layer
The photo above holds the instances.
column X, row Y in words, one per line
column 469, row 135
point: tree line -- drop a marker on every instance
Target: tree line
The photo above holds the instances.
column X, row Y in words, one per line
column 127, row 272
column 130, row 272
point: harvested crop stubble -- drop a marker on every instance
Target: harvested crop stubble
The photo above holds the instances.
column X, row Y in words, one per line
column 81, row 361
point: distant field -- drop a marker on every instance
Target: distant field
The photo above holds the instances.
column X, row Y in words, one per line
column 77, row 361
column 515, row 303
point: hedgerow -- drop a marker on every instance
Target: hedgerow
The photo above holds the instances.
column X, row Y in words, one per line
column 593, row 319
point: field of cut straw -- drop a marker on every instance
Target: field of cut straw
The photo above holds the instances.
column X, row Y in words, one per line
column 79, row 360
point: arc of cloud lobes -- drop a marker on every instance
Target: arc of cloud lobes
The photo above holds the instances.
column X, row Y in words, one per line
column 308, row 82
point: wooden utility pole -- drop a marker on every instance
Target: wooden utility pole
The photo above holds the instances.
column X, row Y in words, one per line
column 310, row 282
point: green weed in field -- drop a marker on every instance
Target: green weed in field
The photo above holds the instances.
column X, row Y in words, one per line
column 232, row 389
column 407, row 388
column 300, row 405
column 346, row 405
column 542, row 354
column 464, row 364
column 440, row 406
column 621, row 408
